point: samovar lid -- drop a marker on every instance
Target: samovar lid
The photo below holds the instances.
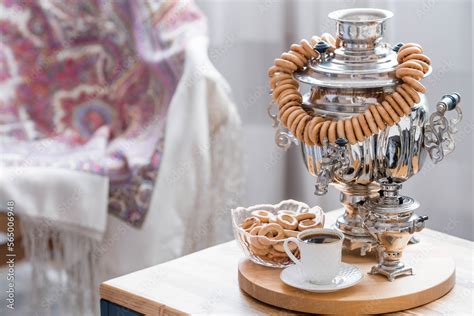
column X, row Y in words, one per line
column 363, row 60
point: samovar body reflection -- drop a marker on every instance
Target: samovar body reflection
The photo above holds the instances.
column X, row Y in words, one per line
column 356, row 75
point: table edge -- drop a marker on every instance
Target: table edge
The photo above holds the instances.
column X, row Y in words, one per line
column 136, row 302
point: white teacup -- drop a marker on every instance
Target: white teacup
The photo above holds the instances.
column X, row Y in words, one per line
column 320, row 262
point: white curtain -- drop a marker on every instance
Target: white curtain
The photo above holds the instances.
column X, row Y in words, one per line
column 247, row 35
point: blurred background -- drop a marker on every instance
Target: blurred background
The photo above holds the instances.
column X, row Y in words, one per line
column 245, row 37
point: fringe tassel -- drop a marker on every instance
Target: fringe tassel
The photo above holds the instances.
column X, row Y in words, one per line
column 64, row 268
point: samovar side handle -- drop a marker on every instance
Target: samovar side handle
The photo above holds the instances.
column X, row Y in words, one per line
column 283, row 137
column 438, row 131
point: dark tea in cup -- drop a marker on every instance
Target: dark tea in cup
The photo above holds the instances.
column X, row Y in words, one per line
column 321, row 238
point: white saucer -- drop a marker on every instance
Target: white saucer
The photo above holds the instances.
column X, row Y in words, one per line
column 348, row 276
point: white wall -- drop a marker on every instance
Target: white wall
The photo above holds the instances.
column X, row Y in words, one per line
column 247, row 35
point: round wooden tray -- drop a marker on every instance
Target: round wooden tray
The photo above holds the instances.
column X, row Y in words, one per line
column 434, row 277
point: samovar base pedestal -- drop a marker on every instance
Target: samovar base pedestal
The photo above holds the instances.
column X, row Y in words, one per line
column 391, row 272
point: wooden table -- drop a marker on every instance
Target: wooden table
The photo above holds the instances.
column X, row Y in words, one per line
column 205, row 282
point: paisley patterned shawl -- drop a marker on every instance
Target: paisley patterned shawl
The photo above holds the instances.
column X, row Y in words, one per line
column 86, row 84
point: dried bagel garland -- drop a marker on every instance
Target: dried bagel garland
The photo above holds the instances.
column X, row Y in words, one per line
column 313, row 130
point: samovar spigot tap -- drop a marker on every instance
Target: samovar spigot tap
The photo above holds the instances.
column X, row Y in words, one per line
column 334, row 162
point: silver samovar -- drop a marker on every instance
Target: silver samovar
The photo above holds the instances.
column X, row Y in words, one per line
column 356, row 75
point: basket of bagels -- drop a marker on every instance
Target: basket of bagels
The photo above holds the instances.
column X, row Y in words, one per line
column 262, row 229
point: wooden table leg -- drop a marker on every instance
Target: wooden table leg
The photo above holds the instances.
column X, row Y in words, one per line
column 18, row 245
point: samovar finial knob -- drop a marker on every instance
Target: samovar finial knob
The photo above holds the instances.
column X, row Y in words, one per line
column 321, row 47
column 341, row 142
column 397, row 47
